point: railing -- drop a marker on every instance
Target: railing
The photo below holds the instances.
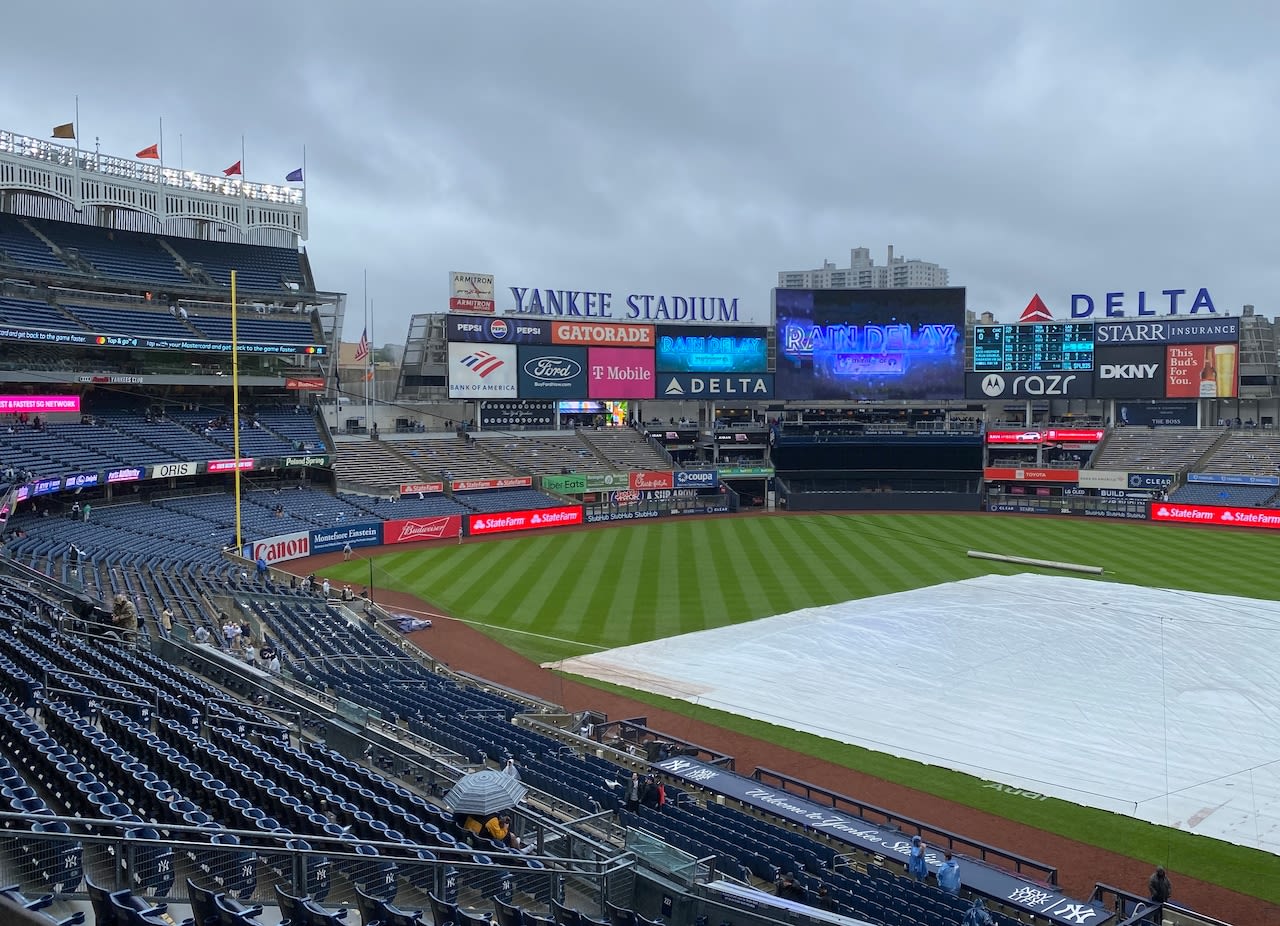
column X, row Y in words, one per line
column 155, row 861
column 1135, row 910
column 818, row 794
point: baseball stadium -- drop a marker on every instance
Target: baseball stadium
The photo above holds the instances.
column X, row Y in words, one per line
column 584, row 608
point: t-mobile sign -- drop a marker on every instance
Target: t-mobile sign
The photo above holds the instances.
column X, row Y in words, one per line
column 618, row 373
column 39, row 404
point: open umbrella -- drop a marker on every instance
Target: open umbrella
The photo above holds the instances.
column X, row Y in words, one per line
column 485, row 792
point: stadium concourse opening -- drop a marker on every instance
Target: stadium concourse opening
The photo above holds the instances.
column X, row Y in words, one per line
column 1153, row 703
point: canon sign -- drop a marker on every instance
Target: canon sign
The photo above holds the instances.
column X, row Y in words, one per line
column 282, row 548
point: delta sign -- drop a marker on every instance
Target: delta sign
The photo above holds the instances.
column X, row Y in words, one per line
column 1140, row 304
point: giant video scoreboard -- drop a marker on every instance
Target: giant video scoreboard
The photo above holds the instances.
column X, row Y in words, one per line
column 1032, row 348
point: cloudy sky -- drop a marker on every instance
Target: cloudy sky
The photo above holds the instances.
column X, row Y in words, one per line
column 700, row 147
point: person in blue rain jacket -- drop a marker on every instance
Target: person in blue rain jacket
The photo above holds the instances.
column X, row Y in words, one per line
column 949, row 876
column 916, row 866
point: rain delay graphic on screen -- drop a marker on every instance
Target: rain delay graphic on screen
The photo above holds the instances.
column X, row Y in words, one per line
column 851, row 344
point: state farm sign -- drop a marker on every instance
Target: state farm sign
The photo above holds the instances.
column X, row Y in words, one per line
column 505, row 521
column 410, row 530
column 477, row 485
column 423, row 488
column 644, row 481
column 1216, row 514
column 281, row 548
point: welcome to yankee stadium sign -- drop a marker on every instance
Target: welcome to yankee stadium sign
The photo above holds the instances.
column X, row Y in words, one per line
column 636, row 307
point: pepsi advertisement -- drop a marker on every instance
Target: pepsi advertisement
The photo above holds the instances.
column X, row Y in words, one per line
column 684, row 349
column 477, row 329
column 870, row 344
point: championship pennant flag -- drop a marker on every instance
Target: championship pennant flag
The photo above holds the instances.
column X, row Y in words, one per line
column 234, row 170
column 362, row 349
column 294, row 176
column 151, row 151
column 66, row 130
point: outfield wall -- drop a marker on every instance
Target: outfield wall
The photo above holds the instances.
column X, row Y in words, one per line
column 883, row 501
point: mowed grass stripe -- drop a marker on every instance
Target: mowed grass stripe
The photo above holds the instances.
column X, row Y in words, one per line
column 605, row 568
column 795, row 548
column 752, row 561
column 541, row 584
column 716, row 582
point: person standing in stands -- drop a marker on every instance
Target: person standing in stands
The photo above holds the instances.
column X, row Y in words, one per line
column 977, row 915
column 633, row 792
column 1160, row 887
column 949, row 876
column 125, row 616
column 166, row 621
column 916, row 865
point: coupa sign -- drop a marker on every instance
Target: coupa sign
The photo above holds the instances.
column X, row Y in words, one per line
column 695, row 478
column 281, row 548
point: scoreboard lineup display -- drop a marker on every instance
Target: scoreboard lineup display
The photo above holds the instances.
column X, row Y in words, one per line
column 1035, row 348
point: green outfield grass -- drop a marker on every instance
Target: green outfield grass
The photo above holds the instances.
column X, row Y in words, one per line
column 559, row 595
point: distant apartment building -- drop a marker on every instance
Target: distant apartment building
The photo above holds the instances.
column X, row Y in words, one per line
column 862, row 273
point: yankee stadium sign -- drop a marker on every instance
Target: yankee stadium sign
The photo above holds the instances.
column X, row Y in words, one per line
column 636, row 307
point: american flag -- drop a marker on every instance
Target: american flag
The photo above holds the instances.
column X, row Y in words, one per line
column 362, row 349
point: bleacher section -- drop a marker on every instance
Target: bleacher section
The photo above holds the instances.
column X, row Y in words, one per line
column 391, row 462
column 1169, row 450
column 252, row 327
column 456, row 457
column 1201, row 493
column 625, row 449
column 374, row 465
column 508, row 500
column 124, row 437
column 20, row 248
column 544, row 453
column 258, row 268
column 130, row 322
column 31, row 313
column 1248, row 452
column 114, row 254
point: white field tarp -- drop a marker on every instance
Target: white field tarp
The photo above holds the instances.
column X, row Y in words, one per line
column 1159, row 704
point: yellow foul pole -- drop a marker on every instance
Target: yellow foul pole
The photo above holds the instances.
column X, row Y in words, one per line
column 235, row 408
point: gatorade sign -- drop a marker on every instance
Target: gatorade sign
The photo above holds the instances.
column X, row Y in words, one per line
column 507, row 521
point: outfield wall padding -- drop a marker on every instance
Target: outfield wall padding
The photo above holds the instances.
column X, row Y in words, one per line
column 884, row 501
